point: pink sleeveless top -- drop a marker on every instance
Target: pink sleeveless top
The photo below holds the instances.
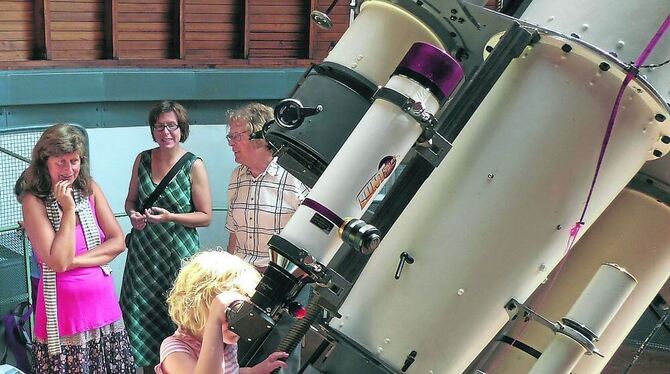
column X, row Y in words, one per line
column 86, row 297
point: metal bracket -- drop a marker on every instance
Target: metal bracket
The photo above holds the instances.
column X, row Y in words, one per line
column 431, row 145
column 330, row 285
column 516, row 310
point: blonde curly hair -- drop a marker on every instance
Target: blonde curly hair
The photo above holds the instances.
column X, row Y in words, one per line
column 200, row 280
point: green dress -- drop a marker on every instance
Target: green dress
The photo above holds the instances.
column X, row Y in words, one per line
column 155, row 256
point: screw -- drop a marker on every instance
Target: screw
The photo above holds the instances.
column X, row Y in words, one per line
column 604, row 66
column 566, row 48
column 659, row 117
column 658, row 153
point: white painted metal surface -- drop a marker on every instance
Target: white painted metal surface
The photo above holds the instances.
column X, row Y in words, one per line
column 622, row 27
column 385, row 130
column 378, row 39
column 494, row 216
column 632, row 232
column 596, row 306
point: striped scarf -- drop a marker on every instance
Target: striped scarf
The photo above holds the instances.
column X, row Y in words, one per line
column 92, row 236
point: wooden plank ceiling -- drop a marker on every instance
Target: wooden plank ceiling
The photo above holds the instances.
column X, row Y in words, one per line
column 165, row 33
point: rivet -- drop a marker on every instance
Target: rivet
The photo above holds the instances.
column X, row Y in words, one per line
column 658, row 153
column 488, row 48
column 604, row 66
column 359, row 57
column 387, row 340
column 665, row 139
column 380, row 350
column 354, row 65
column 543, row 267
column 566, row 48
column 659, row 117
column 558, row 227
column 620, row 44
column 490, row 176
column 460, row 292
column 585, row 26
column 551, row 18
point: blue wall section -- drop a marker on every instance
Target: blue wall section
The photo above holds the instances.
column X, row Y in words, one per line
column 121, row 97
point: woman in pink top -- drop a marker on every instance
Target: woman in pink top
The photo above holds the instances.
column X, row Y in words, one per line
column 197, row 304
column 78, row 324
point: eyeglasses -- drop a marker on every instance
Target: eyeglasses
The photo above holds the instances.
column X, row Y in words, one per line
column 171, row 126
column 236, row 137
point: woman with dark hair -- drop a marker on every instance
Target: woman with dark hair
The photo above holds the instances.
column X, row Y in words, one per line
column 78, row 323
column 165, row 233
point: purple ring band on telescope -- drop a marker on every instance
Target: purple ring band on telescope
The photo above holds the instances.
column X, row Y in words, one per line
column 432, row 67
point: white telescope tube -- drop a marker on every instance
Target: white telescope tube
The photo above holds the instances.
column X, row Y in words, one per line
column 371, row 153
column 593, row 310
column 378, row 39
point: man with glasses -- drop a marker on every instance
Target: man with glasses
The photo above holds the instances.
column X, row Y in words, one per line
column 262, row 197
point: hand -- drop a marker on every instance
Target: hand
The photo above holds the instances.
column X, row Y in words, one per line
column 157, row 215
column 138, row 220
column 273, row 362
column 63, row 193
column 220, row 305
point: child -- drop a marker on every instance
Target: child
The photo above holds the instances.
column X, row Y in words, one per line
column 197, row 304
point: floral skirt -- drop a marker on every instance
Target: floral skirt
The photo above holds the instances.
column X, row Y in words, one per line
column 103, row 350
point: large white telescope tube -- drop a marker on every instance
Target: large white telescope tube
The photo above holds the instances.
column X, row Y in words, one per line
column 592, row 312
column 493, row 219
column 633, row 232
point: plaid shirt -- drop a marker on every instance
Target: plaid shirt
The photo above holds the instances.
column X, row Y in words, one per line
column 260, row 207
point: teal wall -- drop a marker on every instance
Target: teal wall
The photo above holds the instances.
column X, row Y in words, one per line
column 121, row 97
column 113, row 103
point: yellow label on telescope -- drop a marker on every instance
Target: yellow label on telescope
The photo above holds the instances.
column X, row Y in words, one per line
column 384, row 170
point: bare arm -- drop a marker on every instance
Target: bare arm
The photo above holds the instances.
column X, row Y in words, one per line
column 55, row 248
column 114, row 241
column 136, row 218
column 202, row 202
column 211, row 359
column 232, row 242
